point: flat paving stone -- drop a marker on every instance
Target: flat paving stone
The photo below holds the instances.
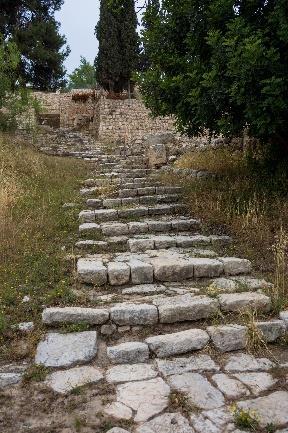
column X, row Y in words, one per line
column 178, row 342
column 147, row 398
column 199, row 391
column 257, row 382
column 194, row 363
column 56, row 315
column 246, row 362
column 166, row 423
column 64, row 381
column 118, row 410
column 271, row 409
column 64, row 350
column 130, row 373
column 144, row 289
column 231, row 388
column 131, row 352
column 214, row 421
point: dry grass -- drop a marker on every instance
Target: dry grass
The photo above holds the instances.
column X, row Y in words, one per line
column 245, row 201
column 33, row 230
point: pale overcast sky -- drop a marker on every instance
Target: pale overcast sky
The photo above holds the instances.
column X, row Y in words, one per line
column 78, row 20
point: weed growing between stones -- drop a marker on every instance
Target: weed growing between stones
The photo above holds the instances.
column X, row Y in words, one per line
column 34, row 227
column 74, row 327
column 279, row 290
column 35, row 373
column 245, row 419
column 180, row 401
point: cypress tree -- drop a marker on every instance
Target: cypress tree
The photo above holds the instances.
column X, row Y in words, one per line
column 118, row 52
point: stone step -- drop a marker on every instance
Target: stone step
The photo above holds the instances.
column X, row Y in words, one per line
column 148, row 191
column 149, row 267
column 109, row 203
column 100, row 215
column 224, row 338
column 116, row 228
column 140, row 243
column 162, row 310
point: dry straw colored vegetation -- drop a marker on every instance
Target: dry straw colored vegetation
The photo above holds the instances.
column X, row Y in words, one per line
column 33, row 230
column 247, row 201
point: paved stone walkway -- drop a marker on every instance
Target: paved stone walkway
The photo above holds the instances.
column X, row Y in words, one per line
column 164, row 328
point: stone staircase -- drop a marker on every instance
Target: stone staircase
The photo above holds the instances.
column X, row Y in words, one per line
column 164, row 303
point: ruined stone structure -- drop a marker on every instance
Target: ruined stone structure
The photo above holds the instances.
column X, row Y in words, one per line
column 106, row 119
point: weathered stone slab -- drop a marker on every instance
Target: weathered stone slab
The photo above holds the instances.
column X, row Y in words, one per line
column 64, row 381
column 63, row 350
column 94, row 203
column 186, row 307
column 244, row 300
column 228, row 337
column 138, row 245
column 284, row 316
column 147, row 398
column 92, row 272
column 164, row 241
column 9, row 379
column 178, row 342
column 271, row 409
column 118, row 273
column 105, row 215
column 89, row 227
column 235, row 266
column 133, row 212
column 141, row 272
column 137, row 227
column 169, row 269
column 159, row 226
column 271, row 330
column 87, row 216
column 119, row 411
column 245, row 362
column 185, row 365
column 231, row 388
column 166, row 423
column 256, row 382
column 132, row 352
column 207, row 268
column 214, row 421
column 130, row 373
column 144, row 289
column 134, row 314
column 93, row 316
column 198, row 390
column 114, row 229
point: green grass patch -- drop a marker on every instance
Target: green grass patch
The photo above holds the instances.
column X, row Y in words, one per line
column 36, row 231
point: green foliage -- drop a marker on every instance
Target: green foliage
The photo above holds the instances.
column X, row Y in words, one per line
column 32, row 26
column 83, row 77
column 118, row 54
column 246, row 420
column 14, row 100
column 220, row 65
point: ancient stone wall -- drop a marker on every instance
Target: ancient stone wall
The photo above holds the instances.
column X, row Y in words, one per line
column 129, row 119
column 107, row 119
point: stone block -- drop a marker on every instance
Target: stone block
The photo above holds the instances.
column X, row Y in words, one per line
column 118, row 273
column 137, row 228
column 126, row 353
column 114, row 229
column 228, row 337
column 235, row 266
column 207, row 268
column 141, row 272
column 92, row 316
column 244, row 300
column 91, row 272
column 65, row 381
column 178, row 342
column 134, row 314
column 169, row 269
column 105, row 215
column 138, row 245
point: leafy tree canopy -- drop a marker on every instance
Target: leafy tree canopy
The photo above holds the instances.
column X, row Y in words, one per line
column 83, row 77
column 220, row 65
column 32, row 26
